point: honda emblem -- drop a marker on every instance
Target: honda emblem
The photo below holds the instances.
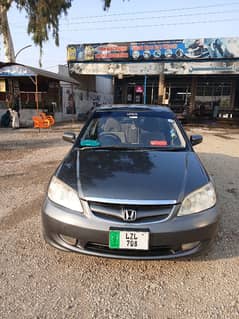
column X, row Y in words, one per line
column 129, row 215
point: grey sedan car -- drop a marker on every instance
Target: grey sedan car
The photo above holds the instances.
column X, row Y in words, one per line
column 131, row 187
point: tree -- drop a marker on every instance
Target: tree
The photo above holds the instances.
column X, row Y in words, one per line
column 43, row 18
column 5, row 32
column 107, row 4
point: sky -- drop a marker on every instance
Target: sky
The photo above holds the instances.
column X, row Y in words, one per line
column 133, row 20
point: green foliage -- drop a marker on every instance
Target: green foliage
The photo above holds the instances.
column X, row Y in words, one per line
column 6, row 3
column 107, row 4
column 43, row 17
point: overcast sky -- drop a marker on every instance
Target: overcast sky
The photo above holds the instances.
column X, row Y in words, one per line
column 131, row 20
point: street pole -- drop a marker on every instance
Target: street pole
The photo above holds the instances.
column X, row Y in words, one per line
column 145, row 88
column 37, row 100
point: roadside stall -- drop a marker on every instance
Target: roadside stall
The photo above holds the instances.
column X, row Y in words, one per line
column 36, row 90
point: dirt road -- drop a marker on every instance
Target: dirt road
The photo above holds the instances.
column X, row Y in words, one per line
column 37, row 281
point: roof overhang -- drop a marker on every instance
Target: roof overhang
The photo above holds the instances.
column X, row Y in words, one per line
column 20, row 70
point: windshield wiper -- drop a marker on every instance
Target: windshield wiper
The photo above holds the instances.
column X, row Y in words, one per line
column 136, row 148
column 163, row 149
column 112, row 147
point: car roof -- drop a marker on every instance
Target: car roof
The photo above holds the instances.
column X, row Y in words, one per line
column 164, row 110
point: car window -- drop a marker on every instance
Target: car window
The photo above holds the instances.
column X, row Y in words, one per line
column 132, row 129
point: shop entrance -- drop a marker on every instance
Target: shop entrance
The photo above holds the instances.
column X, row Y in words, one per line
column 178, row 95
column 212, row 96
column 135, row 93
column 131, row 90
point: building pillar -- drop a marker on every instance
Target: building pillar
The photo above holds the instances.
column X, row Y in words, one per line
column 36, row 94
column 145, row 89
column 124, row 91
column 233, row 94
column 60, row 108
column 161, row 86
column 193, row 95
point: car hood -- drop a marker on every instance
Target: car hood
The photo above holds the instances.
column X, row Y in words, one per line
column 138, row 175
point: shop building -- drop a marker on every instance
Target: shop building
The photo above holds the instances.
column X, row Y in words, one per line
column 198, row 77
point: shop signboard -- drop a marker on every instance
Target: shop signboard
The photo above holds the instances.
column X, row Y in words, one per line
column 15, row 70
column 153, row 51
column 139, row 89
column 2, row 85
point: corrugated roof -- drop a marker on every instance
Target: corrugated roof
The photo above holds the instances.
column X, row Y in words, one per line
column 43, row 73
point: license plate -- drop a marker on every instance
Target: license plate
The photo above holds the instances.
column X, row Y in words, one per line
column 125, row 239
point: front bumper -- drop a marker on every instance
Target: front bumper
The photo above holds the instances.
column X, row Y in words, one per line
column 91, row 233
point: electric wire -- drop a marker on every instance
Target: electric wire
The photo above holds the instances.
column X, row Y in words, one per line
column 153, row 17
column 151, row 25
column 150, row 17
column 162, row 10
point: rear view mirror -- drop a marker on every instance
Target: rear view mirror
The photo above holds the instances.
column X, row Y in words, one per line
column 196, row 139
column 69, row 137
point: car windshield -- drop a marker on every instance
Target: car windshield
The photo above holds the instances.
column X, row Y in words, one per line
column 129, row 129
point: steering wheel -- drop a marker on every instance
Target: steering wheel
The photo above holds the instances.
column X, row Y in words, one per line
column 107, row 138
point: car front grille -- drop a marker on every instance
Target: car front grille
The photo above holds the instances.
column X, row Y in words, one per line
column 144, row 213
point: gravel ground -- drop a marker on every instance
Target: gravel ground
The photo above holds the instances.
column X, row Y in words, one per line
column 38, row 281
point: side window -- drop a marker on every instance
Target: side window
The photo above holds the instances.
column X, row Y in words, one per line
column 174, row 140
column 91, row 131
column 175, row 135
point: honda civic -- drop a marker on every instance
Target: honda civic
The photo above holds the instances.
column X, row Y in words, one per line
column 132, row 187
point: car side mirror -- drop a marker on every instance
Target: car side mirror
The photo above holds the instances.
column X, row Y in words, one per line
column 196, row 139
column 69, row 137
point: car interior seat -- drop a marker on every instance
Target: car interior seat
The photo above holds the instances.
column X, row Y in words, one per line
column 132, row 133
column 150, row 130
column 114, row 127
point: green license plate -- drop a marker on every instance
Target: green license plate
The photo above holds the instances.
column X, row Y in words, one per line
column 127, row 239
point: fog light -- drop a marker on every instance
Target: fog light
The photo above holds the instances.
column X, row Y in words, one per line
column 189, row 246
column 69, row 240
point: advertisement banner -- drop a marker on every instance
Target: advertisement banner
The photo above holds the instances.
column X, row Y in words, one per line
column 115, row 68
column 197, row 68
column 176, row 68
column 151, row 51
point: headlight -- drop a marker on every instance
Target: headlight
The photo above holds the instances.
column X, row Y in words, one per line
column 64, row 195
column 199, row 200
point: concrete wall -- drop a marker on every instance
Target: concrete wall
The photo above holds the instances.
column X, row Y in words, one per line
column 85, row 100
column 104, row 84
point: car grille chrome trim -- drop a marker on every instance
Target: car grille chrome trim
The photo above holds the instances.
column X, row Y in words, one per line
column 129, row 201
column 144, row 213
